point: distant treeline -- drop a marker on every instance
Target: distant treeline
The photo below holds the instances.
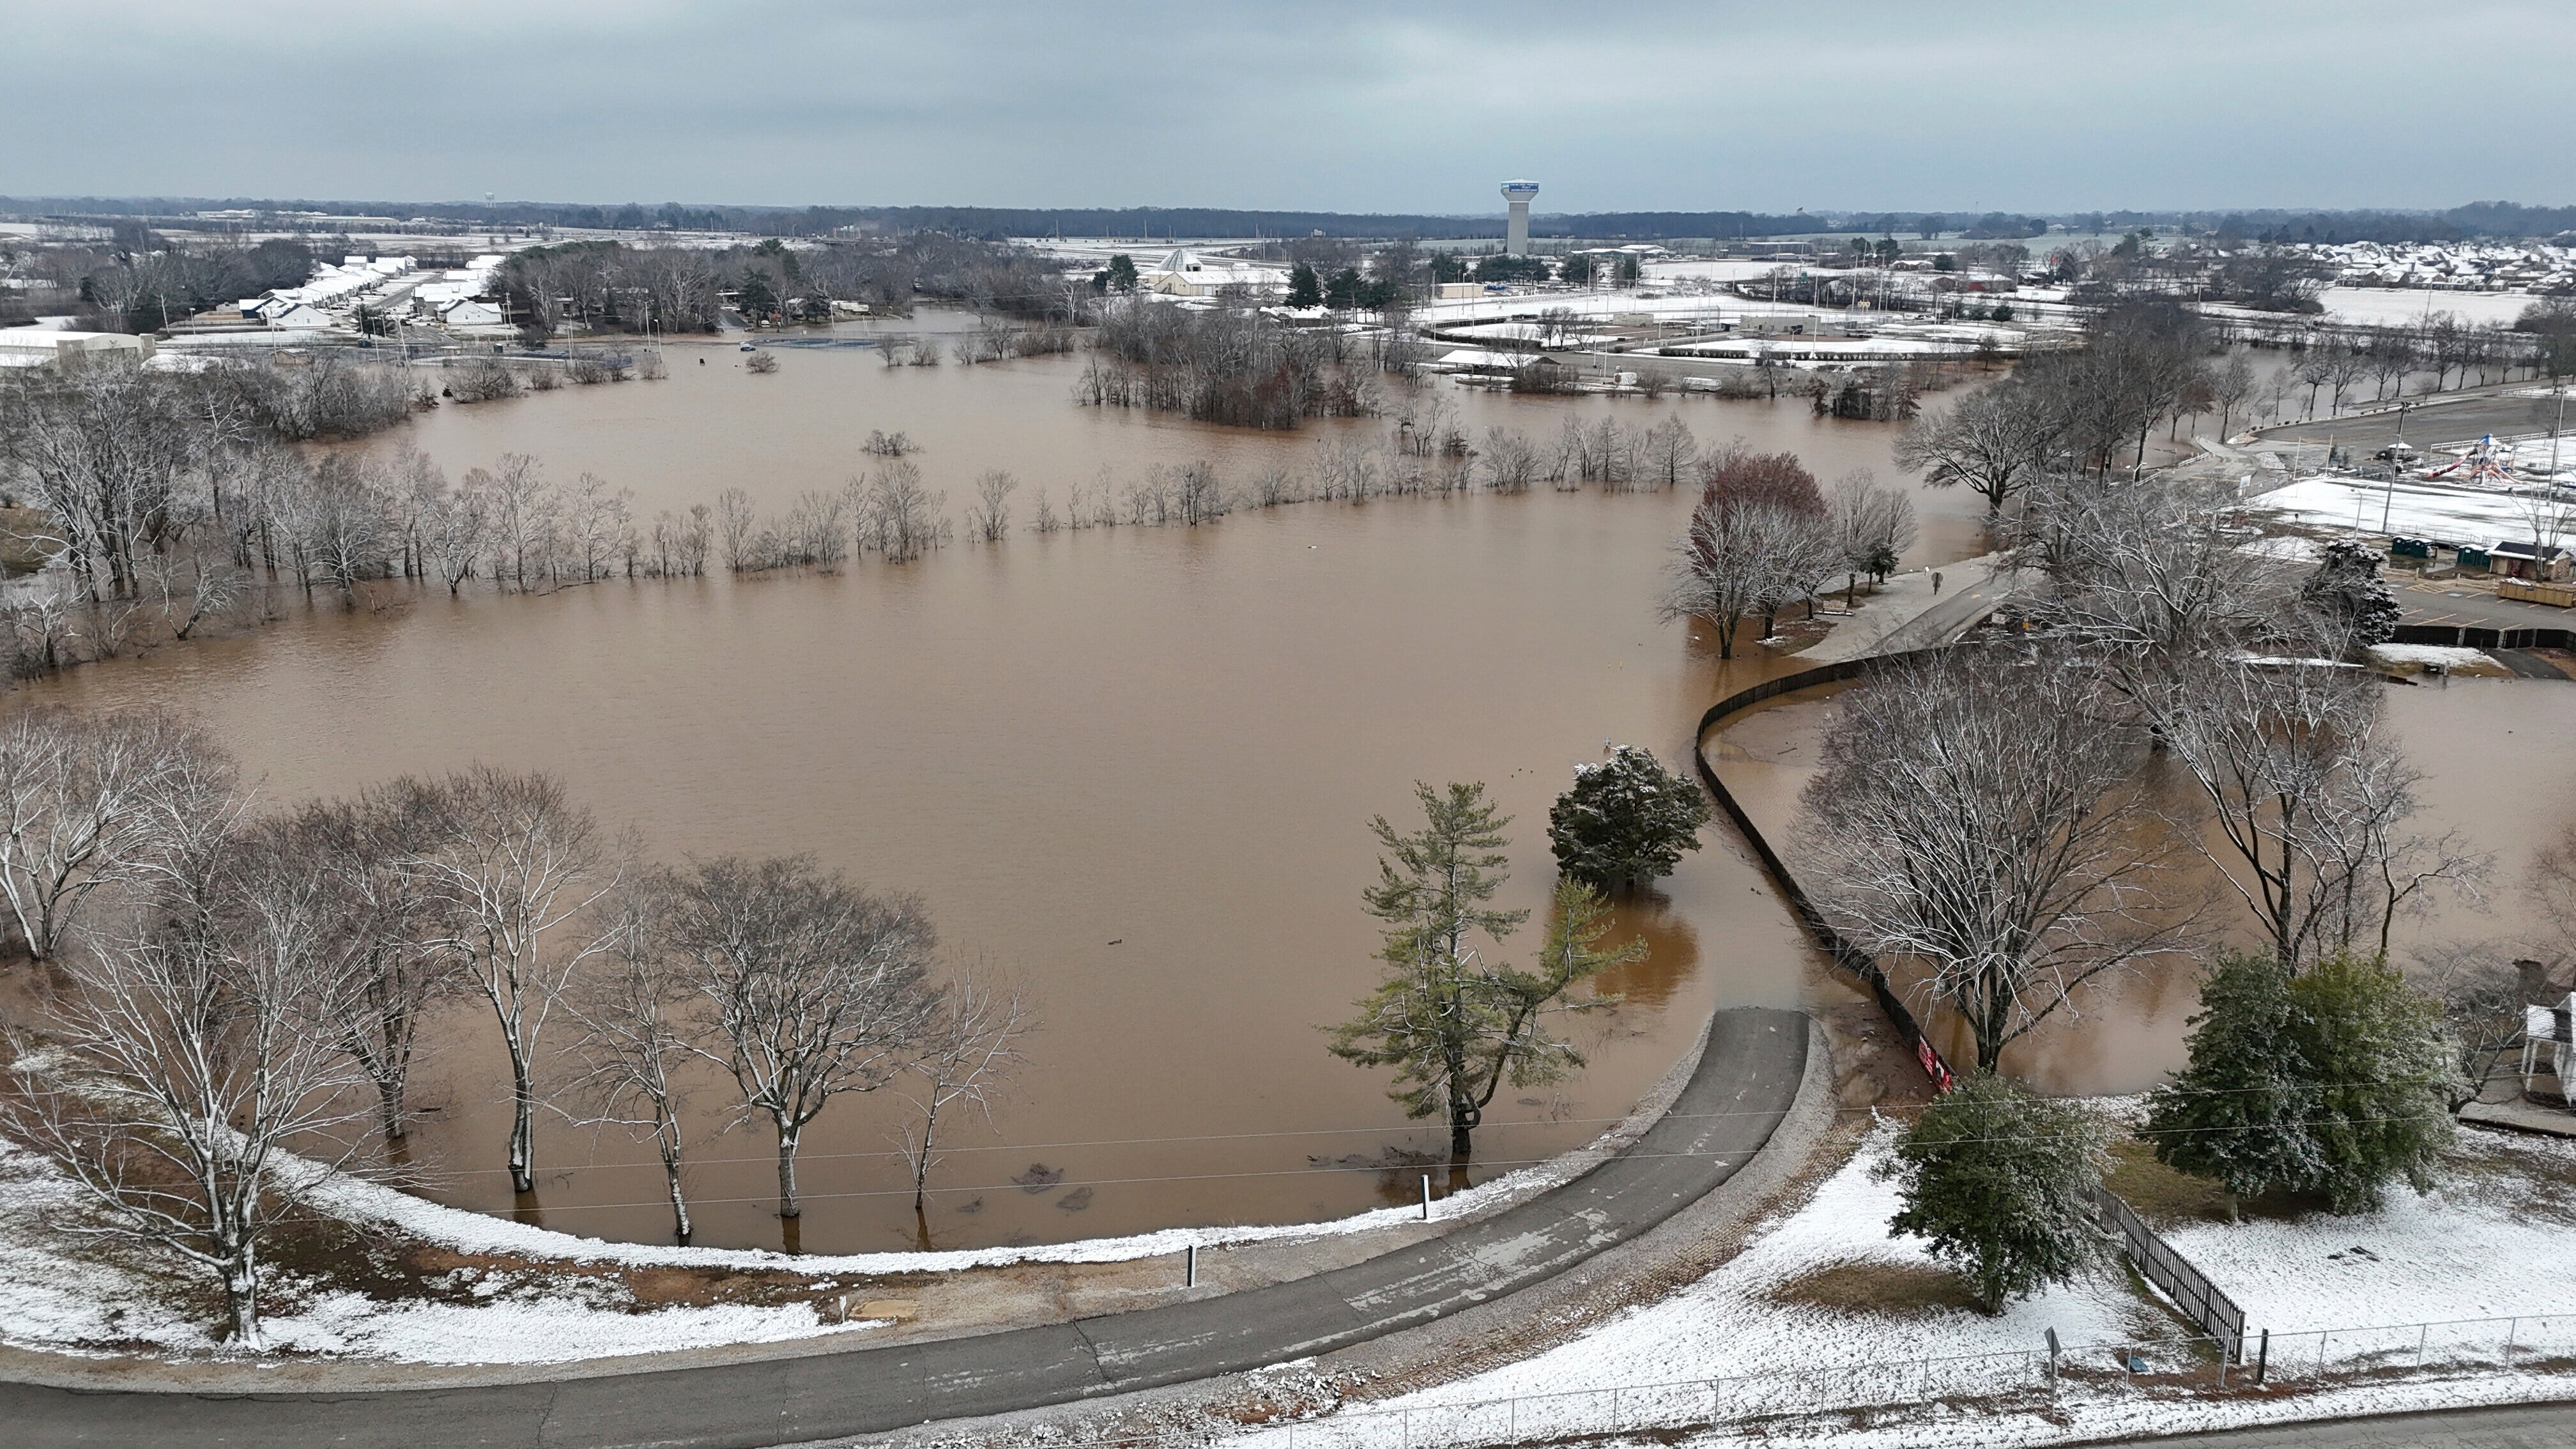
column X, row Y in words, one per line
column 2479, row 219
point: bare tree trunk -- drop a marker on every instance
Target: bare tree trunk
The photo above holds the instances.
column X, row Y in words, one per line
column 523, row 1126
column 788, row 1207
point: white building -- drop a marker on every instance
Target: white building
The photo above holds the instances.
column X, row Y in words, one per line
column 40, row 346
column 469, row 312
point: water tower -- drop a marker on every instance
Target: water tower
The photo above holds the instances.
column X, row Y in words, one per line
column 1516, row 237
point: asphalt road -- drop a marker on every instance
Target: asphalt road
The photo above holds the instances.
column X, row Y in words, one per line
column 1742, row 1088
column 2450, row 419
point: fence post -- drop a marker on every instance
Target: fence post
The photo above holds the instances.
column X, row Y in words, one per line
column 1426, row 1197
column 2321, row 1352
column 2262, row 1357
column 2512, row 1330
column 2421, row 1334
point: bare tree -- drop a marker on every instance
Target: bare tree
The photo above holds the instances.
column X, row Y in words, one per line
column 990, row 515
column 1197, row 494
column 639, row 1019
column 901, row 514
column 186, row 1055
column 969, row 1050
column 521, row 519
column 1668, row 451
column 735, row 521
column 1995, row 442
column 819, row 988
column 2305, row 802
column 1757, row 541
column 1872, row 526
column 1974, row 813
column 381, row 935
column 513, row 871
column 75, row 808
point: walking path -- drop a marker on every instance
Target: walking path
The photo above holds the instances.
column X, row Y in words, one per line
column 1749, row 1075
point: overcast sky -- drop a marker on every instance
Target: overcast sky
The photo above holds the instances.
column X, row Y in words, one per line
column 1321, row 104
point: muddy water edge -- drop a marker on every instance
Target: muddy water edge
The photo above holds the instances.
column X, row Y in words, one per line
column 2500, row 760
column 1130, row 768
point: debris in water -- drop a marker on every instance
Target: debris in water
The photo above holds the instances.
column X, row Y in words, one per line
column 1038, row 1178
column 1075, row 1201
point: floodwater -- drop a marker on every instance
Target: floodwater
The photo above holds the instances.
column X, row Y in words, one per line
column 1130, row 768
column 2499, row 757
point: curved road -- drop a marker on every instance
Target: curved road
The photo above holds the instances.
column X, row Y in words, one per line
column 1745, row 1082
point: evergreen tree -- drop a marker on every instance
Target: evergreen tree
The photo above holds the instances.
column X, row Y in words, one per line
column 1119, row 276
column 2334, row 1082
column 2381, row 1077
column 1626, row 821
column 1453, row 1024
column 2349, row 595
column 1304, row 290
column 2237, row 1112
column 1998, row 1179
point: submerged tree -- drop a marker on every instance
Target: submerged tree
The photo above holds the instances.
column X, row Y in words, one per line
column 969, row 1049
column 818, row 988
column 1626, row 821
column 1452, row 1023
column 640, row 1022
column 512, row 871
column 1974, row 812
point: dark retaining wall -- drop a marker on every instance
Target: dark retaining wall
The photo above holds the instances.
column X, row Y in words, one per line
column 2469, row 636
column 1846, row 955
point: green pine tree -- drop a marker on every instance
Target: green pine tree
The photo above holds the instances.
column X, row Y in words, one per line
column 2335, row 1082
column 2237, row 1112
column 1304, row 289
column 1453, row 1023
column 1999, row 1179
column 2381, row 1076
column 1626, row 821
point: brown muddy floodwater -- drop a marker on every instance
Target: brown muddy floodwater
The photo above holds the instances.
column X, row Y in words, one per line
column 2500, row 760
column 1131, row 768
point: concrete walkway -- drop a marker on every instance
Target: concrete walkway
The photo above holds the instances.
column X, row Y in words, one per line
column 1905, row 613
column 1746, row 1081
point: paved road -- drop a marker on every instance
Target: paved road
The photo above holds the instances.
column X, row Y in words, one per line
column 2523, row 1426
column 2451, row 420
column 1744, row 1085
column 2436, row 601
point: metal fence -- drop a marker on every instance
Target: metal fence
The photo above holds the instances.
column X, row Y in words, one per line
column 2190, row 1289
column 2193, row 1366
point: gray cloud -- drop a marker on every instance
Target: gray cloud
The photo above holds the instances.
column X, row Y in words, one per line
column 1329, row 104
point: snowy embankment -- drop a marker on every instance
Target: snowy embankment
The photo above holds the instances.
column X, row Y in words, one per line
column 1823, row 1287
column 62, row 1296
column 549, row 1298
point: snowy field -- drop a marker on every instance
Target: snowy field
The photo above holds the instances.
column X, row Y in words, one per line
column 1823, row 1288
column 2407, row 306
column 2411, row 510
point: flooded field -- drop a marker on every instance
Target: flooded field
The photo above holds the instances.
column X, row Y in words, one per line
column 1130, row 768
column 2500, row 761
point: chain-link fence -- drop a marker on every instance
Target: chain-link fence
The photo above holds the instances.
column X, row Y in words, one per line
column 2198, row 1366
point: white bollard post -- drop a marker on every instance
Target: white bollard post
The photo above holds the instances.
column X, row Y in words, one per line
column 1190, row 1275
column 1426, row 1197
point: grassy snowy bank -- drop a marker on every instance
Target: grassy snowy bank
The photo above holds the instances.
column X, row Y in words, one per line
column 1836, row 1313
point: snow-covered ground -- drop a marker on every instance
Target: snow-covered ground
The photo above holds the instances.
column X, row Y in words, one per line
column 2408, row 306
column 92, row 1302
column 57, row 1295
column 1838, row 1314
column 2411, row 510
